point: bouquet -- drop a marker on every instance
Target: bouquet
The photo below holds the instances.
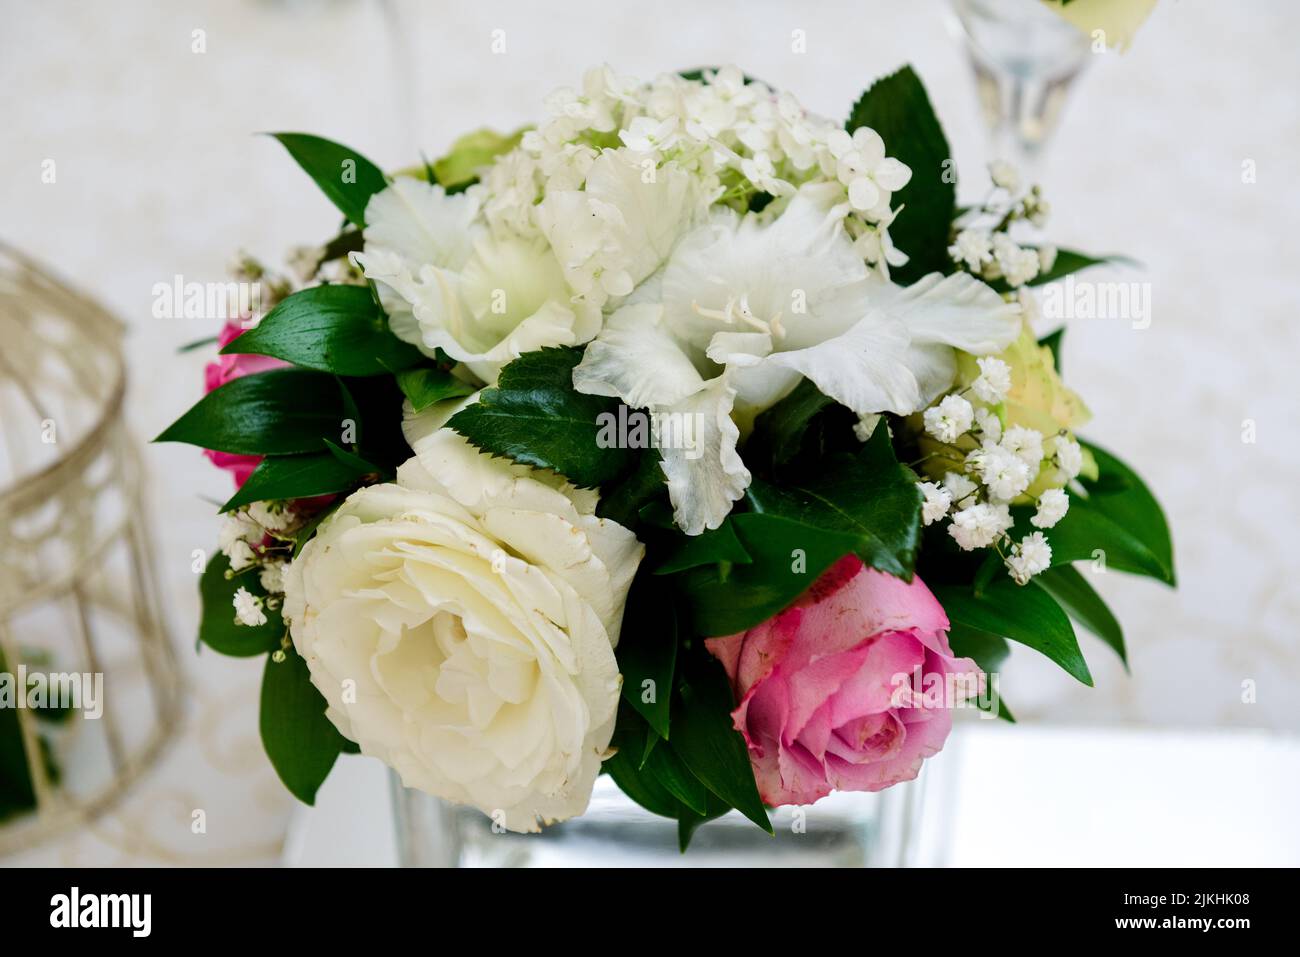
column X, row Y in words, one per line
column 686, row 437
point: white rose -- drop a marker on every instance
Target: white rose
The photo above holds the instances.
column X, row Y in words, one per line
column 462, row 628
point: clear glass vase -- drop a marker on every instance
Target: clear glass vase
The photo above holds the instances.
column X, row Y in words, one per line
column 842, row 830
column 1025, row 60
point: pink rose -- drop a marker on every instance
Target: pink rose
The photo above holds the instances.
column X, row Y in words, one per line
column 822, row 705
column 226, row 369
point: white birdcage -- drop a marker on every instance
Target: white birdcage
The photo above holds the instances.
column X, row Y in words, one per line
column 79, row 604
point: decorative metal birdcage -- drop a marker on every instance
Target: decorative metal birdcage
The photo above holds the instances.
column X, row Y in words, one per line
column 89, row 686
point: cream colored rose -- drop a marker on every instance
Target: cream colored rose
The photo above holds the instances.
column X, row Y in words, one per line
column 462, row 628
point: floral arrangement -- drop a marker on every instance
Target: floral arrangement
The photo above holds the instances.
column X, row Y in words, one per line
column 686, row 437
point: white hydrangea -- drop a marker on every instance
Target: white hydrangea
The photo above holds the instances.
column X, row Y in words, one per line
column 937, row 502
column 870, row 176
column 980, row 525
column 1052, row 506
column 950, row 419
column 248, row 608
column 1029, row 557
column 994, row 381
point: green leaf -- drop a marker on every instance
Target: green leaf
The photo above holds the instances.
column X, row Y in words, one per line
column 470, row 154
column 280, row 477
column 1081, row 601
column 1023, row 613
column 778, row 433
column 987, row 649
column 622, row 499
column 713, row 750
column 300, row 741
column 637, row 782
column 868, row 496
column 647, row 651
column 898, row 108
column 217, row 628
column 787, row 557
column 1071, row 261
column 427, row 385
column 1121, row 496
column 280, row 412
column 305, row 533
column 663, row 764
column 688, row 822
column 338, row 329
column 535, row 416
column 353, row 461
column 343, row 174
column 198, row 344
column 716, row 545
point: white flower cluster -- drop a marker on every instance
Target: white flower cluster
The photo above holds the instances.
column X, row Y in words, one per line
column 997, row 472
column 728, row 139
column 243, row 540
column 707, row 241
column 983, row 244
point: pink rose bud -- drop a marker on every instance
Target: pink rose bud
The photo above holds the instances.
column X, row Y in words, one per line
column 847, row 689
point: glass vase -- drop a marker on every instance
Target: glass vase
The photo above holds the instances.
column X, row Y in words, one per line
column 841, row 830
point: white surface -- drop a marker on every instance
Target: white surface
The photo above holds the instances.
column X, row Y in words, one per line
column 159, row 174
column 1048, row 797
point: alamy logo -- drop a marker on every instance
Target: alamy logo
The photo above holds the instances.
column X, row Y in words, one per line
column 80, row 691
column 133, row 911
column 636, row 429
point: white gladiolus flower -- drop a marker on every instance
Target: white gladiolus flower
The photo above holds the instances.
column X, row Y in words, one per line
column 446, row 283
column 248, row 608
column 620, row 227
column 745, row 308
column 1052, row 506
column 1029, row 557
column 950, row 419
column 937, row 502
column 472, row 608
column 994, row 380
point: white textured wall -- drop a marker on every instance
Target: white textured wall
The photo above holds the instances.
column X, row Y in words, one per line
column 159, row 174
